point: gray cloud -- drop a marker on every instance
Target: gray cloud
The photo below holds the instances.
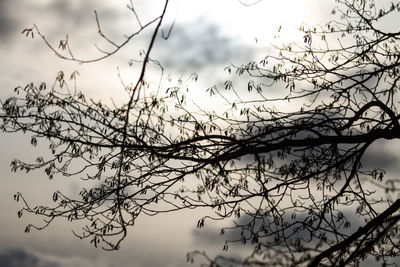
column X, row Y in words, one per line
column 70, row 16
column 8, row 22
column 379, row 159
column 21, row 258
column 211, row 235
column 79, row 12
column 200, row 44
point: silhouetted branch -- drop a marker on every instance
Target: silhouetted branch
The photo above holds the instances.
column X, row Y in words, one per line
column 295, row 185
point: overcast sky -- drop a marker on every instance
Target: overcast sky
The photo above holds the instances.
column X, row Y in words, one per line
column 208, row 36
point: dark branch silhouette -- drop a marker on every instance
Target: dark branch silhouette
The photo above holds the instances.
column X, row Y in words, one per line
column 293, row 182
